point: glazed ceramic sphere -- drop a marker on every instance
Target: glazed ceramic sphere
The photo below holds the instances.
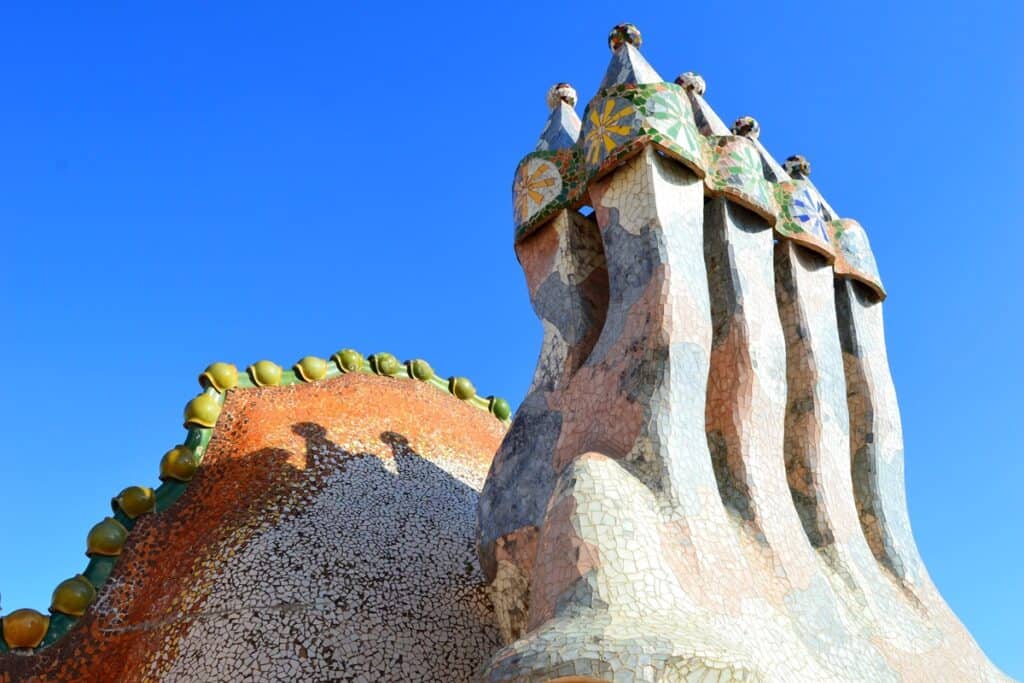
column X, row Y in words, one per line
column 311, row 368
column 561, row 92
column 461, row 388
column 420, row 369
column 73, row 596
column 265, row 373
column 106, row 538
column 385, row 364
column 797, row 166
column 202, row 411
column 348, row 360
column 220, row 376
column 134, row 501
column 499, row 407
column 747, row 126
column 622, row 34
column 24, row 628
column 691, row 80
column 178, row 464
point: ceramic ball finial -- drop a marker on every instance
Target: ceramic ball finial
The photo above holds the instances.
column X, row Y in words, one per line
column 561, row 92
column 691, row 80
column 747, row 126
column 797, row 166
column 622, row 34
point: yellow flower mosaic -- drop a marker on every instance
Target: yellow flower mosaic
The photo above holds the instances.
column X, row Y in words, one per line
column 604, row 125
column 537, row 183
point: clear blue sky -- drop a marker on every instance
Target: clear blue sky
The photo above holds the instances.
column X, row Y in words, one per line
column 182, row 184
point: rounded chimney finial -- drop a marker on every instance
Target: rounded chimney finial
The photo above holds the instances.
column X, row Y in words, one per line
column 561, row 92
column 747, row 126
column 691, row 80
column 622, row 34
column 797, row 166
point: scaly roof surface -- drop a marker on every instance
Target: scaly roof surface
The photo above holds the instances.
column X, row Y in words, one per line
column 242, row 450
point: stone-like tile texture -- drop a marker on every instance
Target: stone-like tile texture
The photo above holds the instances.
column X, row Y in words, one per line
column 704, row 482
column 703, row 519
column 568, row 284
column 876, row 447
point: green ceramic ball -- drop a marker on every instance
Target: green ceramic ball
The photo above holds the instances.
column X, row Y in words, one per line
column 348, row 360
column 311, row 368
column 461, row 388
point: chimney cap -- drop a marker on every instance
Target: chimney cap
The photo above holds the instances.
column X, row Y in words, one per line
column 691, row 80
column 622, row 34
column 747, row 126
column 797, row 166
column 561, row 92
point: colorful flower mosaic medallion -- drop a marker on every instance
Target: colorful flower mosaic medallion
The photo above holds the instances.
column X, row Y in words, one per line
column 735, row 169
column 800, row 211
column 616, row 125
column 537, row 183
column 606, row 125
column 668, row 114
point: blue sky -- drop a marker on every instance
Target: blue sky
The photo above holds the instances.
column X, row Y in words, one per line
column 180, row 184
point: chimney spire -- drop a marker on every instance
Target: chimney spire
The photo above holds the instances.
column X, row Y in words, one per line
column 707, row 120
column 628, row 66
column 563, row 126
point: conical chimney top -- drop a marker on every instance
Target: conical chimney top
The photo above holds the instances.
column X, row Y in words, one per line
column 628, row 66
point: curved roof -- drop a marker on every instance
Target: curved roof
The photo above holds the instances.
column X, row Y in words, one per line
column 346, row 441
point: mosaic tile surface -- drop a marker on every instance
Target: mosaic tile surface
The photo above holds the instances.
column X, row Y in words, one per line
column 328, row 535
column 801, row 218
column 736, row 171
column 704, row 481
column 635, row 108
column 854, row 257
column 723, row 467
